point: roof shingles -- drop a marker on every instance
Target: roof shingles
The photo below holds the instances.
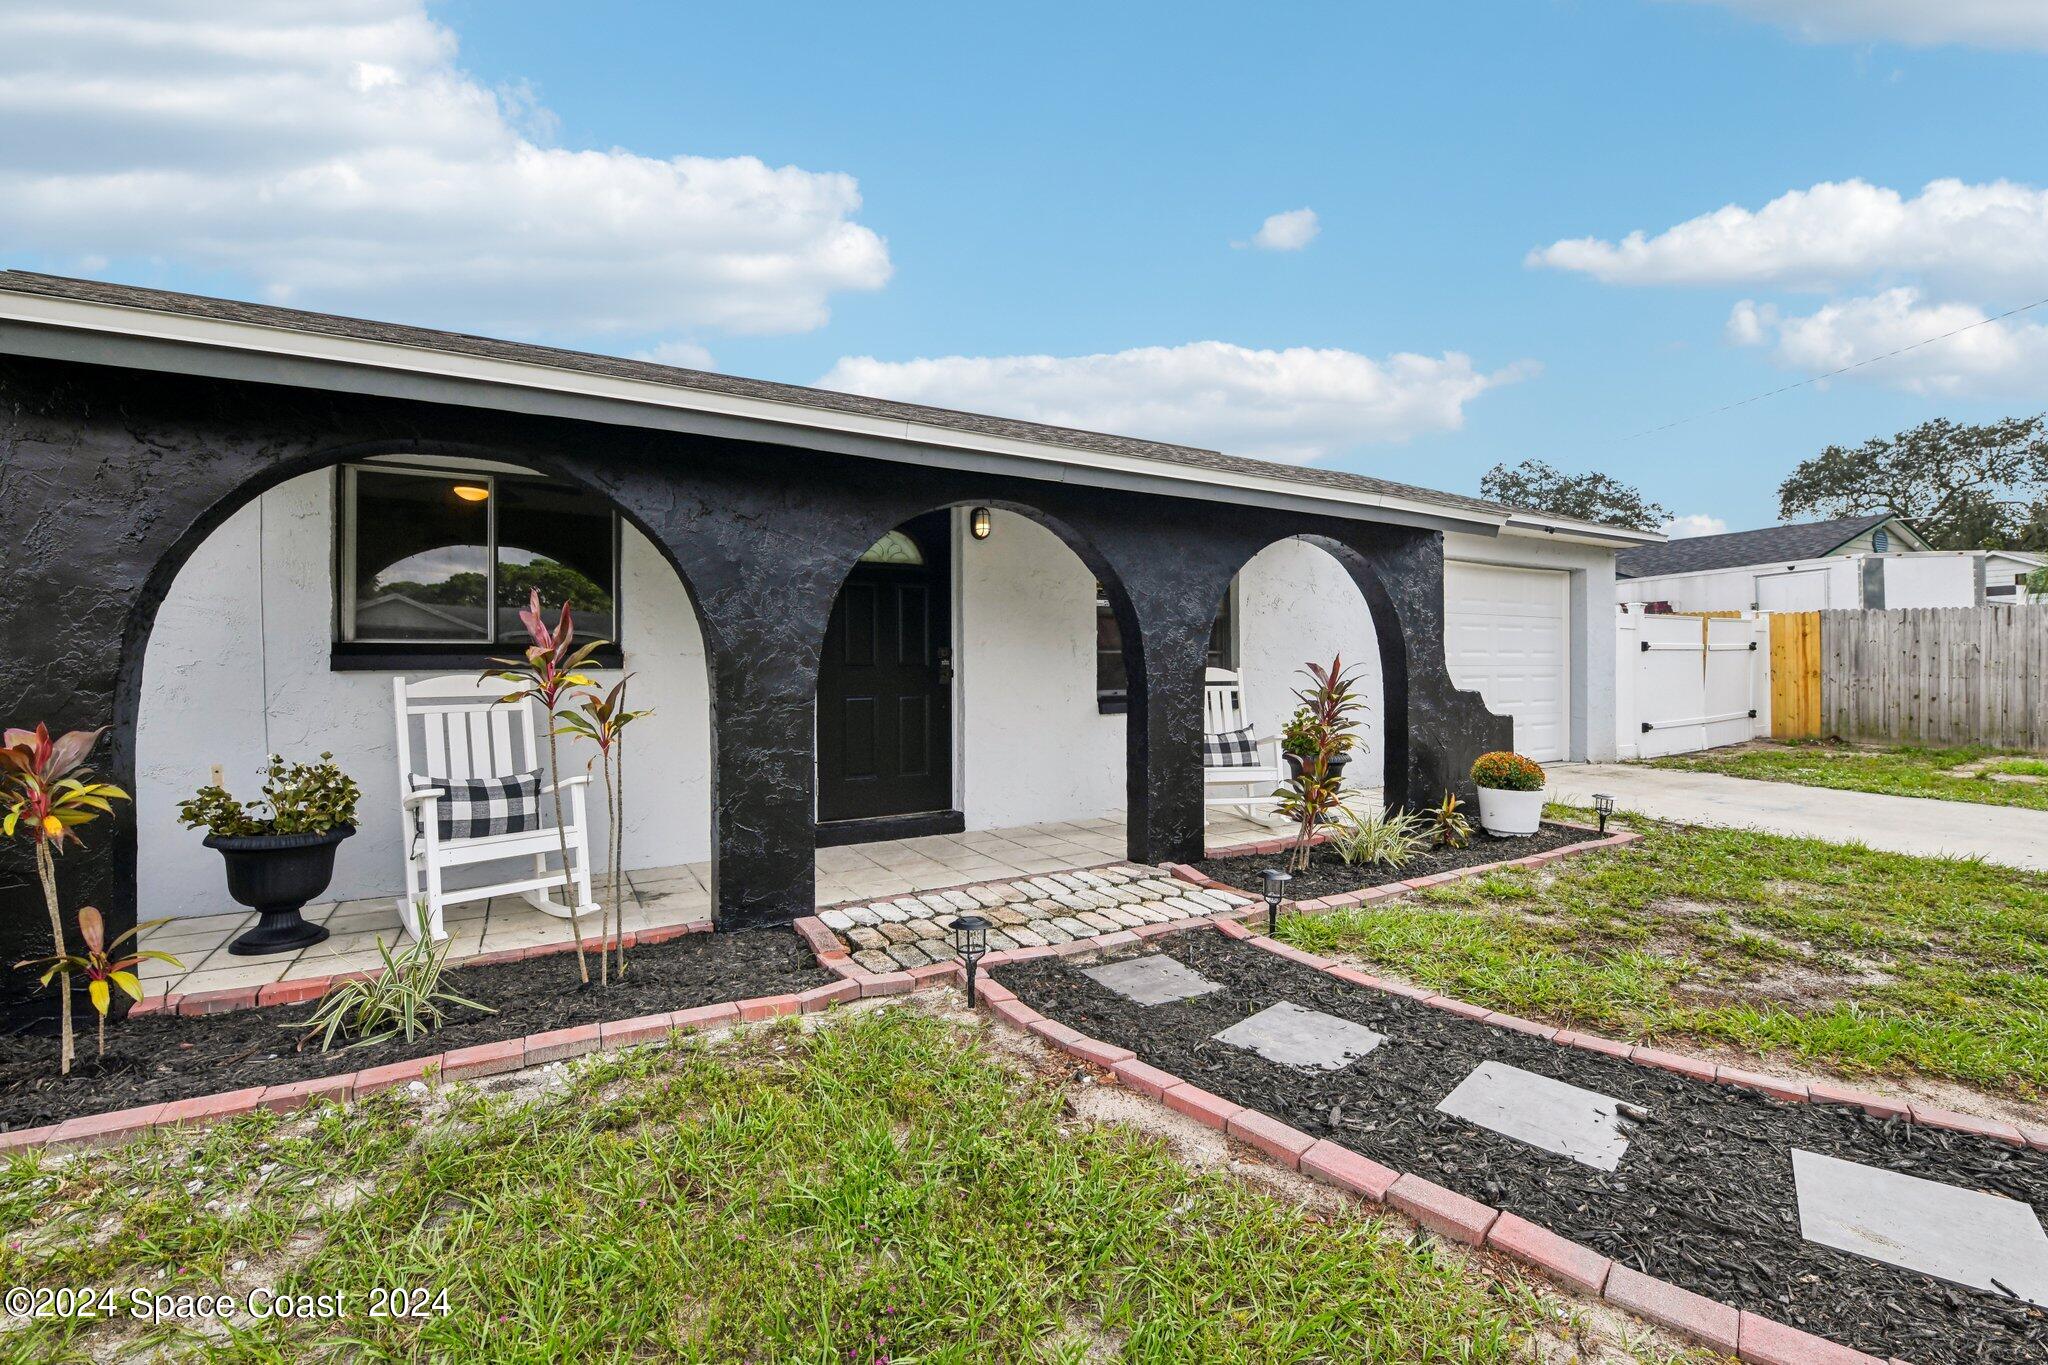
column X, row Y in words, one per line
column 824, row 400
column 1771, row 545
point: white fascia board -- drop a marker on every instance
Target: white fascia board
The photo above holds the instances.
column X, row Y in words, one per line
column 116, row 323
column 1540, row 527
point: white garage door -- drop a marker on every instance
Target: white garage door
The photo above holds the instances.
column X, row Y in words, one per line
column 1506, row 638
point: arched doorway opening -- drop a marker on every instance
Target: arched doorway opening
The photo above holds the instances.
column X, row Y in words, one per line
column 284, row 627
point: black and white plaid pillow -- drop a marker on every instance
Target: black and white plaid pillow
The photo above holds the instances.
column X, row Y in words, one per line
column 1230, row 749
column 476, row 807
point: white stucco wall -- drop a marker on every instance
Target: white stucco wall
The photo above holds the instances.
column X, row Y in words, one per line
column 238, row 666
column 1031, row 743
column 1296, row 605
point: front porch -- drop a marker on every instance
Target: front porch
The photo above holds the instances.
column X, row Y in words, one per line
column 660, row 897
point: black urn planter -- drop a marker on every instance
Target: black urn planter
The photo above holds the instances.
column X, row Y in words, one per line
column 277, row 874
column 1337, row 762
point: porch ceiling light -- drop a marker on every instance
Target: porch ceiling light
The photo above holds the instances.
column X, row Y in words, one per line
column 970, row 940
column 979, row 523
column 1276, row 889
column 472, row 492
column 1603, row 804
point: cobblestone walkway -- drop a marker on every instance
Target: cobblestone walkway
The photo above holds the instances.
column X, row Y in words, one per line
column 1055, row 907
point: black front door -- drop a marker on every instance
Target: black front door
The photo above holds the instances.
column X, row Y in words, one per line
column 885, row 684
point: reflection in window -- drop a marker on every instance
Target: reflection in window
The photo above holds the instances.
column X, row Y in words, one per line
column 422, row 560
column 894, row 548
column 559, row 540
column 449, row 557
column 1111, row 683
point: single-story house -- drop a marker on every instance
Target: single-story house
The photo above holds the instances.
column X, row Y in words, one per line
column 235, row 524
column 1873, row 560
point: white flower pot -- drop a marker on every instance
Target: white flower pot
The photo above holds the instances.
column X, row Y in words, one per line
column 1503, row 813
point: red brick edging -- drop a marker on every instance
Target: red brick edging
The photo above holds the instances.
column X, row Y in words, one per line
column 1749, row 1336
column 464, row 1063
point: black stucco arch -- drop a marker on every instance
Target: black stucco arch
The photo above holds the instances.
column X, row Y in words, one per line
column 1392, row 643
column 865, row 531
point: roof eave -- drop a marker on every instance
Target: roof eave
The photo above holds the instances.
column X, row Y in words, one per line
column 1579, row 532
column 141, row 338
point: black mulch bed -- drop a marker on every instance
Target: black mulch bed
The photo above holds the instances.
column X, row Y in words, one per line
column 1704, row 1196
column 159, row 1057
column 1328, row 876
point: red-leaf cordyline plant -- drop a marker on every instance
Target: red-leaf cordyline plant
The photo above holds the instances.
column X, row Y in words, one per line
column 546, row 674
column 49, row 794
column 1324, row 728
column 602, row 719
column 99, row 965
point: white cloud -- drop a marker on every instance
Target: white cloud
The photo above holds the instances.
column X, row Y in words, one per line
column 1951, row 235
column 1697, row 524
column 1995, row 360
column 1920, row 23
column 1289, row 231
column 1299, row 404
column 333, row 154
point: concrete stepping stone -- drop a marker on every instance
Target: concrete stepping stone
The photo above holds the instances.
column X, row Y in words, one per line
column 1288, row 1035
column 1553, row 1115
column 1154, row 979
column 1966, row 1237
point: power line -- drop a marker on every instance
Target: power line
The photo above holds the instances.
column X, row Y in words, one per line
column 1855, row 365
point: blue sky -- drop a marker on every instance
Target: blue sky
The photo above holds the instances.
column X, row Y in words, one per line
column 970, row 185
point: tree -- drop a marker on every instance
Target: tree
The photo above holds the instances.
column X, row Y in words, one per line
column 1962, row 487
column 1584, row 497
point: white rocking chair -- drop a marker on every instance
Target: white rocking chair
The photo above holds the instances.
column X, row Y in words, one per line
column 1223, row 711
column 467, row 731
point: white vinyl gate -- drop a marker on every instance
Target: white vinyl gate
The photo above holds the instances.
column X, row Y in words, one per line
column 1688, row 682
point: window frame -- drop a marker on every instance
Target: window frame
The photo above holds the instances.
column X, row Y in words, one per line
column 1110, row 701
column 374, row 655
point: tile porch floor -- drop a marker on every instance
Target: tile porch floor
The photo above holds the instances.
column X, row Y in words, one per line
column 660, row 896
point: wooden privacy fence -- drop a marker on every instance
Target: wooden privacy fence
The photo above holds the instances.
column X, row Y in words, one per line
column 1795, row 675
column 1934, row 675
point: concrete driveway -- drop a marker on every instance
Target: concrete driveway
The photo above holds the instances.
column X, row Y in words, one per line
column 1899, row 824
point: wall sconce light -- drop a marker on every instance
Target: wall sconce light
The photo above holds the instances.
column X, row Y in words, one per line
column 978, row 523
column 970, row 940
column 1604, row 805
column 1276, row 887
column 472, row 492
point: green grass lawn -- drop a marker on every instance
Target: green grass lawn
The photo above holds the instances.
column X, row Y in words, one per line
column 1818, row 954
column 1893, row 771
column 882, row 1188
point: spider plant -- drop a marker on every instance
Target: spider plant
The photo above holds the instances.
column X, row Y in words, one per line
column 405, row 999
column 1378, row 838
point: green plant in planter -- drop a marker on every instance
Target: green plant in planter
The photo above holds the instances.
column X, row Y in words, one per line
column 299, row 798
column 1378, row 838
column 1448, row 824
column 1505, row 772
column 100, row 967
column 1325, row 724
column 45, row 786
column 405, row 999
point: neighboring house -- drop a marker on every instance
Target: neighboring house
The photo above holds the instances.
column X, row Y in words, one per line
column 1875, row 560
column 852, row 619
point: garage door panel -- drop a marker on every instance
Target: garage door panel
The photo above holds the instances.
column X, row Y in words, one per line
column 1506, row 638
